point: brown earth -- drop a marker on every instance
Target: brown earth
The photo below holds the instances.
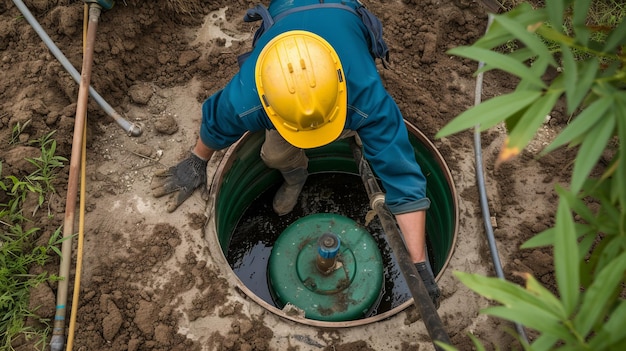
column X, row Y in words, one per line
column 148, row 280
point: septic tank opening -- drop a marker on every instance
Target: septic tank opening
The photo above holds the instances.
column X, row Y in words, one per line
column 246, row 229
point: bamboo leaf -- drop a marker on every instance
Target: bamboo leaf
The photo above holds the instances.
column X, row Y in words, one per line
column 498, row 61
column 509, row 294
column 566, row 257
column 597, row 297
column 555, row 10
column 531, row 317
column 587, row 237
column 533, row 118
column 581, row 124
column 581, row 8
column 612, row 331
column 533, row 286
column 575, row 203
column 510, row 123
column 616, row 38
column 586, row 75
column 591, row 149
column 612, row 250
column 584, row 248
column 609, row 212
column 609, row 224
column 544, row 342
column 497, row 35
column 620, row 174
column 570, row 73
column 553, row 35
column 514, row 119
column 537, row 69
column 594, row 260
column 545, row 238
column 522, row 54
column 477, row 343
column 575, row 346
column 616, row 183
column 490, row 112
column 522, row 33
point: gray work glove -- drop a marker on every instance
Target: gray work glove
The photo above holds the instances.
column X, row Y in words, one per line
column 185, row 177
column 428, row 278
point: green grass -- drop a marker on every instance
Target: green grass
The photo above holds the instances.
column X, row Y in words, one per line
column 602, row 17
column 18, row 254
column 607, row 13
column 16, row 282
column 602, row 13
column 47, row 163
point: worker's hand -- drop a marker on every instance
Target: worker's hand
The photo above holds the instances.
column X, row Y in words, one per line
column 185, row 177
column 428, row 278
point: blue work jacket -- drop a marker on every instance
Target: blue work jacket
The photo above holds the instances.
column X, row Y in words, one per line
column 372, row 112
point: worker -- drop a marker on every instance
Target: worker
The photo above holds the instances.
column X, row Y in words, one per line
column 311, row 79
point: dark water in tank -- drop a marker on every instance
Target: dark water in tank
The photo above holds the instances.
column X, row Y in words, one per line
column 340, row 193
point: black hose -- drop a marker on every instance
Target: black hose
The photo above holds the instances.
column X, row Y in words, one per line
column 480, row 180
column 421, row 298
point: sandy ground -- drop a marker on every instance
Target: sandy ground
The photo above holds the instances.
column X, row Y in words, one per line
column 151, row 279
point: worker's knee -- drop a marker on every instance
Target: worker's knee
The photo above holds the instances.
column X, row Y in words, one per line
column 284, row 159
column 277, row 153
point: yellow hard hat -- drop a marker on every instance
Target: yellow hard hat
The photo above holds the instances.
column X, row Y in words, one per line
column 302, row 87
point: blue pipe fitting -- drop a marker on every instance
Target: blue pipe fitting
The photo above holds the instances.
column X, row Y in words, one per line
column 328, row 245
column 105, row 4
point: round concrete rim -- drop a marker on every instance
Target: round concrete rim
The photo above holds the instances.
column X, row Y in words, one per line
column 221, row 162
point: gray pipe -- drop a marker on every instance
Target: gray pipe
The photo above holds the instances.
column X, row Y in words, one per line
column 132, row 129
column 480, row 179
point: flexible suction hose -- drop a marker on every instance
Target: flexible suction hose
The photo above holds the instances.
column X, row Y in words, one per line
column 422, row 300
column 132, row 129
column 480, row 179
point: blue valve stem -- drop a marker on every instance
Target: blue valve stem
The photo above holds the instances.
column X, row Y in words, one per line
column 328, row 247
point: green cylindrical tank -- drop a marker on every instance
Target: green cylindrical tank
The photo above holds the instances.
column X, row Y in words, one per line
column 345, row 293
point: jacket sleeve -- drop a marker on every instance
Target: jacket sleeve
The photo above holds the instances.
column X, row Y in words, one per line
column 388, row 149
column 232, row 111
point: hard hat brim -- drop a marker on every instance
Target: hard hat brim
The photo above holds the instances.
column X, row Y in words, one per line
column 312, row 138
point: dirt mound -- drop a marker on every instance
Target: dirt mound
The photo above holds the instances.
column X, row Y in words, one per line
column 147, row 275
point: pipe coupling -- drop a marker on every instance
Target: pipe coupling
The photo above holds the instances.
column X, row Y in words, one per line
column 376, row 200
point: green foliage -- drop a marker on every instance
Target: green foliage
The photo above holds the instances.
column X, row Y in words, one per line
column 17, row 190
column 47, row 164
column 40, row 182
column 17, row 130
column 589, row 254
column 15, row 282
column 17, row 252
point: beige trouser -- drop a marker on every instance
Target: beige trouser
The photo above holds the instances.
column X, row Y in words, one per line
column 277, row 153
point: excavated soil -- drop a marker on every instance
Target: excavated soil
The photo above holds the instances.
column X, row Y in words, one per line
column 148, row 280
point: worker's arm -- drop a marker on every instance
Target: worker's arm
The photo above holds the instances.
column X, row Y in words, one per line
column 203, row 151
column 184, row 178
column 413, row 227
